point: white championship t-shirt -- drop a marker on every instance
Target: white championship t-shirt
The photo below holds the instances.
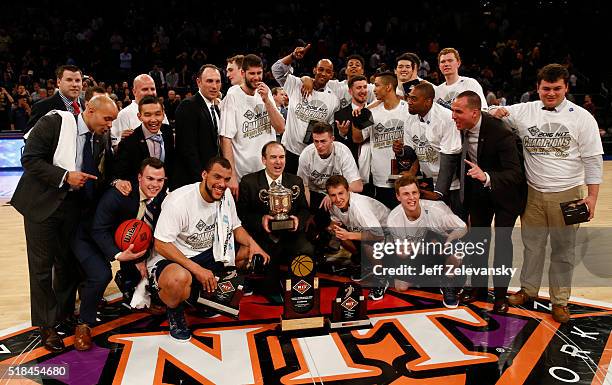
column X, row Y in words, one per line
column 554, row 143
column 315, row 171
column 188, row 221
column 341, row 90
column 436, row 134
column 245, row 120
column 363, row 213
column 445, row 94
column 127, row 119
column 319, row 106
column 388, row 127
column 435, row 216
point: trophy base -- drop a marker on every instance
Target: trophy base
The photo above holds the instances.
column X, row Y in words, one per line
column 349, row 324
column 283, row 224
column 219, row 306
column 302, row 323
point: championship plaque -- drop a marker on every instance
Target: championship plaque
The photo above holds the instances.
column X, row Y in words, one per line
column 402, row 163
column 349, row 307
column 278, row 198
column 227, row 295
column 302, row 306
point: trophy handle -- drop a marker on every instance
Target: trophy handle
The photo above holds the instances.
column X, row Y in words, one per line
column 295, row 192
column 264, row 195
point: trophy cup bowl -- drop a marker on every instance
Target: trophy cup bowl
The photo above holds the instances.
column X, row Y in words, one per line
column 279, row 199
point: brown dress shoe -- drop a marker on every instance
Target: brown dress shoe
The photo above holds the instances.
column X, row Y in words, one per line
column 82, row 337
column 560, row 313
column 51, row 340
column 519, row 298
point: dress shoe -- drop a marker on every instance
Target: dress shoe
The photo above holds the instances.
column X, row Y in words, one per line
column 82, row 337
column 560, row 313
column 519, row 298
column 473, row 294
column 51, row 340
column 500, row 305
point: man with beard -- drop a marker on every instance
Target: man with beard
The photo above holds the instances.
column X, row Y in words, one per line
column 247, row 118
column 304, row 111
column 358, row 88
column 127, row 120
column 194, row 240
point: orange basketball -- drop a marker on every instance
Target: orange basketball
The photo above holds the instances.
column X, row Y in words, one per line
column 133, row 231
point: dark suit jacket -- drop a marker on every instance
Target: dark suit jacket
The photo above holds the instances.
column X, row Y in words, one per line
column 41, row 108
column 498, row 155
column 196, row 141
column 38, row 194
column 133, row 150
column 113, row 209
column 250, row 208
column 341, row 115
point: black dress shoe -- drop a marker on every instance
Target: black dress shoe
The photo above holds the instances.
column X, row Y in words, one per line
column 500, row 305
column 51, row 340
column 474, row 294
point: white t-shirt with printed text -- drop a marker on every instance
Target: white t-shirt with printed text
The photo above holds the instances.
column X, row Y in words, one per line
column 315, row 171
column 189, row 222
column 363, row 213
column 436, row 134
column 554, row 143
column 445, row 94
column 245, row 120
column 388, row 127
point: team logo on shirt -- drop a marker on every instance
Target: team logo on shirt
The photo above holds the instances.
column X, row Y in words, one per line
column 258, row 122
column 385, row 133
column 203, row 239
column 311, row 110
column 550, row 139
column 424, row 150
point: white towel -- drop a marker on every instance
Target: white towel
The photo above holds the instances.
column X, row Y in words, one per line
column 365, row 159
column 65, row 152
column 223, row 245
column 141, row 297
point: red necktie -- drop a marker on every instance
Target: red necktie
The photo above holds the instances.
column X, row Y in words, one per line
column 75, row 107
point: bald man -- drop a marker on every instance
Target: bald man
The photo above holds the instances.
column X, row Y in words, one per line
column 127, row 120
column 304, row 111
column 62, row 162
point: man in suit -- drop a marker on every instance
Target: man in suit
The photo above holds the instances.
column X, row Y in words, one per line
column 197, row 128
column 255, row 214
column 61, row 162
column 95, row 247
column 492, row 185
column 69, row 82
column 151, row 139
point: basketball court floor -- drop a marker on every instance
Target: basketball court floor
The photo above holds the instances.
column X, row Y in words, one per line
column 413, row 339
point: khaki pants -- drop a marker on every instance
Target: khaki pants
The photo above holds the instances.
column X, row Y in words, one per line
column 543, row 217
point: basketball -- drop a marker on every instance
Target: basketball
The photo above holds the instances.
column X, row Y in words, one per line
column 133, row 231
column 302, row 265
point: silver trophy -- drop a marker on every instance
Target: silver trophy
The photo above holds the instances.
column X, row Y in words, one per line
column 279, row 198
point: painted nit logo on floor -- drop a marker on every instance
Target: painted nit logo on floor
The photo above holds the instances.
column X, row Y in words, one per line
column 349, row 303
column 302, row 286
column 226, row 287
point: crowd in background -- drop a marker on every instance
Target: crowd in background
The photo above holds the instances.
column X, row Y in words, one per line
column 502, row 45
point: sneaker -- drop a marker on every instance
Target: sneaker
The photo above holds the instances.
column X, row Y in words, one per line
column 247, row 289
column 377, row 293
column 177, row 324
column 449, row 297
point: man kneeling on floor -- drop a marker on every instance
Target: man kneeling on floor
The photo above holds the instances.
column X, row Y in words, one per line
column 417, row 221
column 194, row 240
column 357, row 221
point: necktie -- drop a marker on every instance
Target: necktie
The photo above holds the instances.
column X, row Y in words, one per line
column 273, row 184
column 464, row 150
column 213, row 115
column 148, row 217
column 158, row 144
column 75, row 107
column 549, row 108
column 89, row 165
